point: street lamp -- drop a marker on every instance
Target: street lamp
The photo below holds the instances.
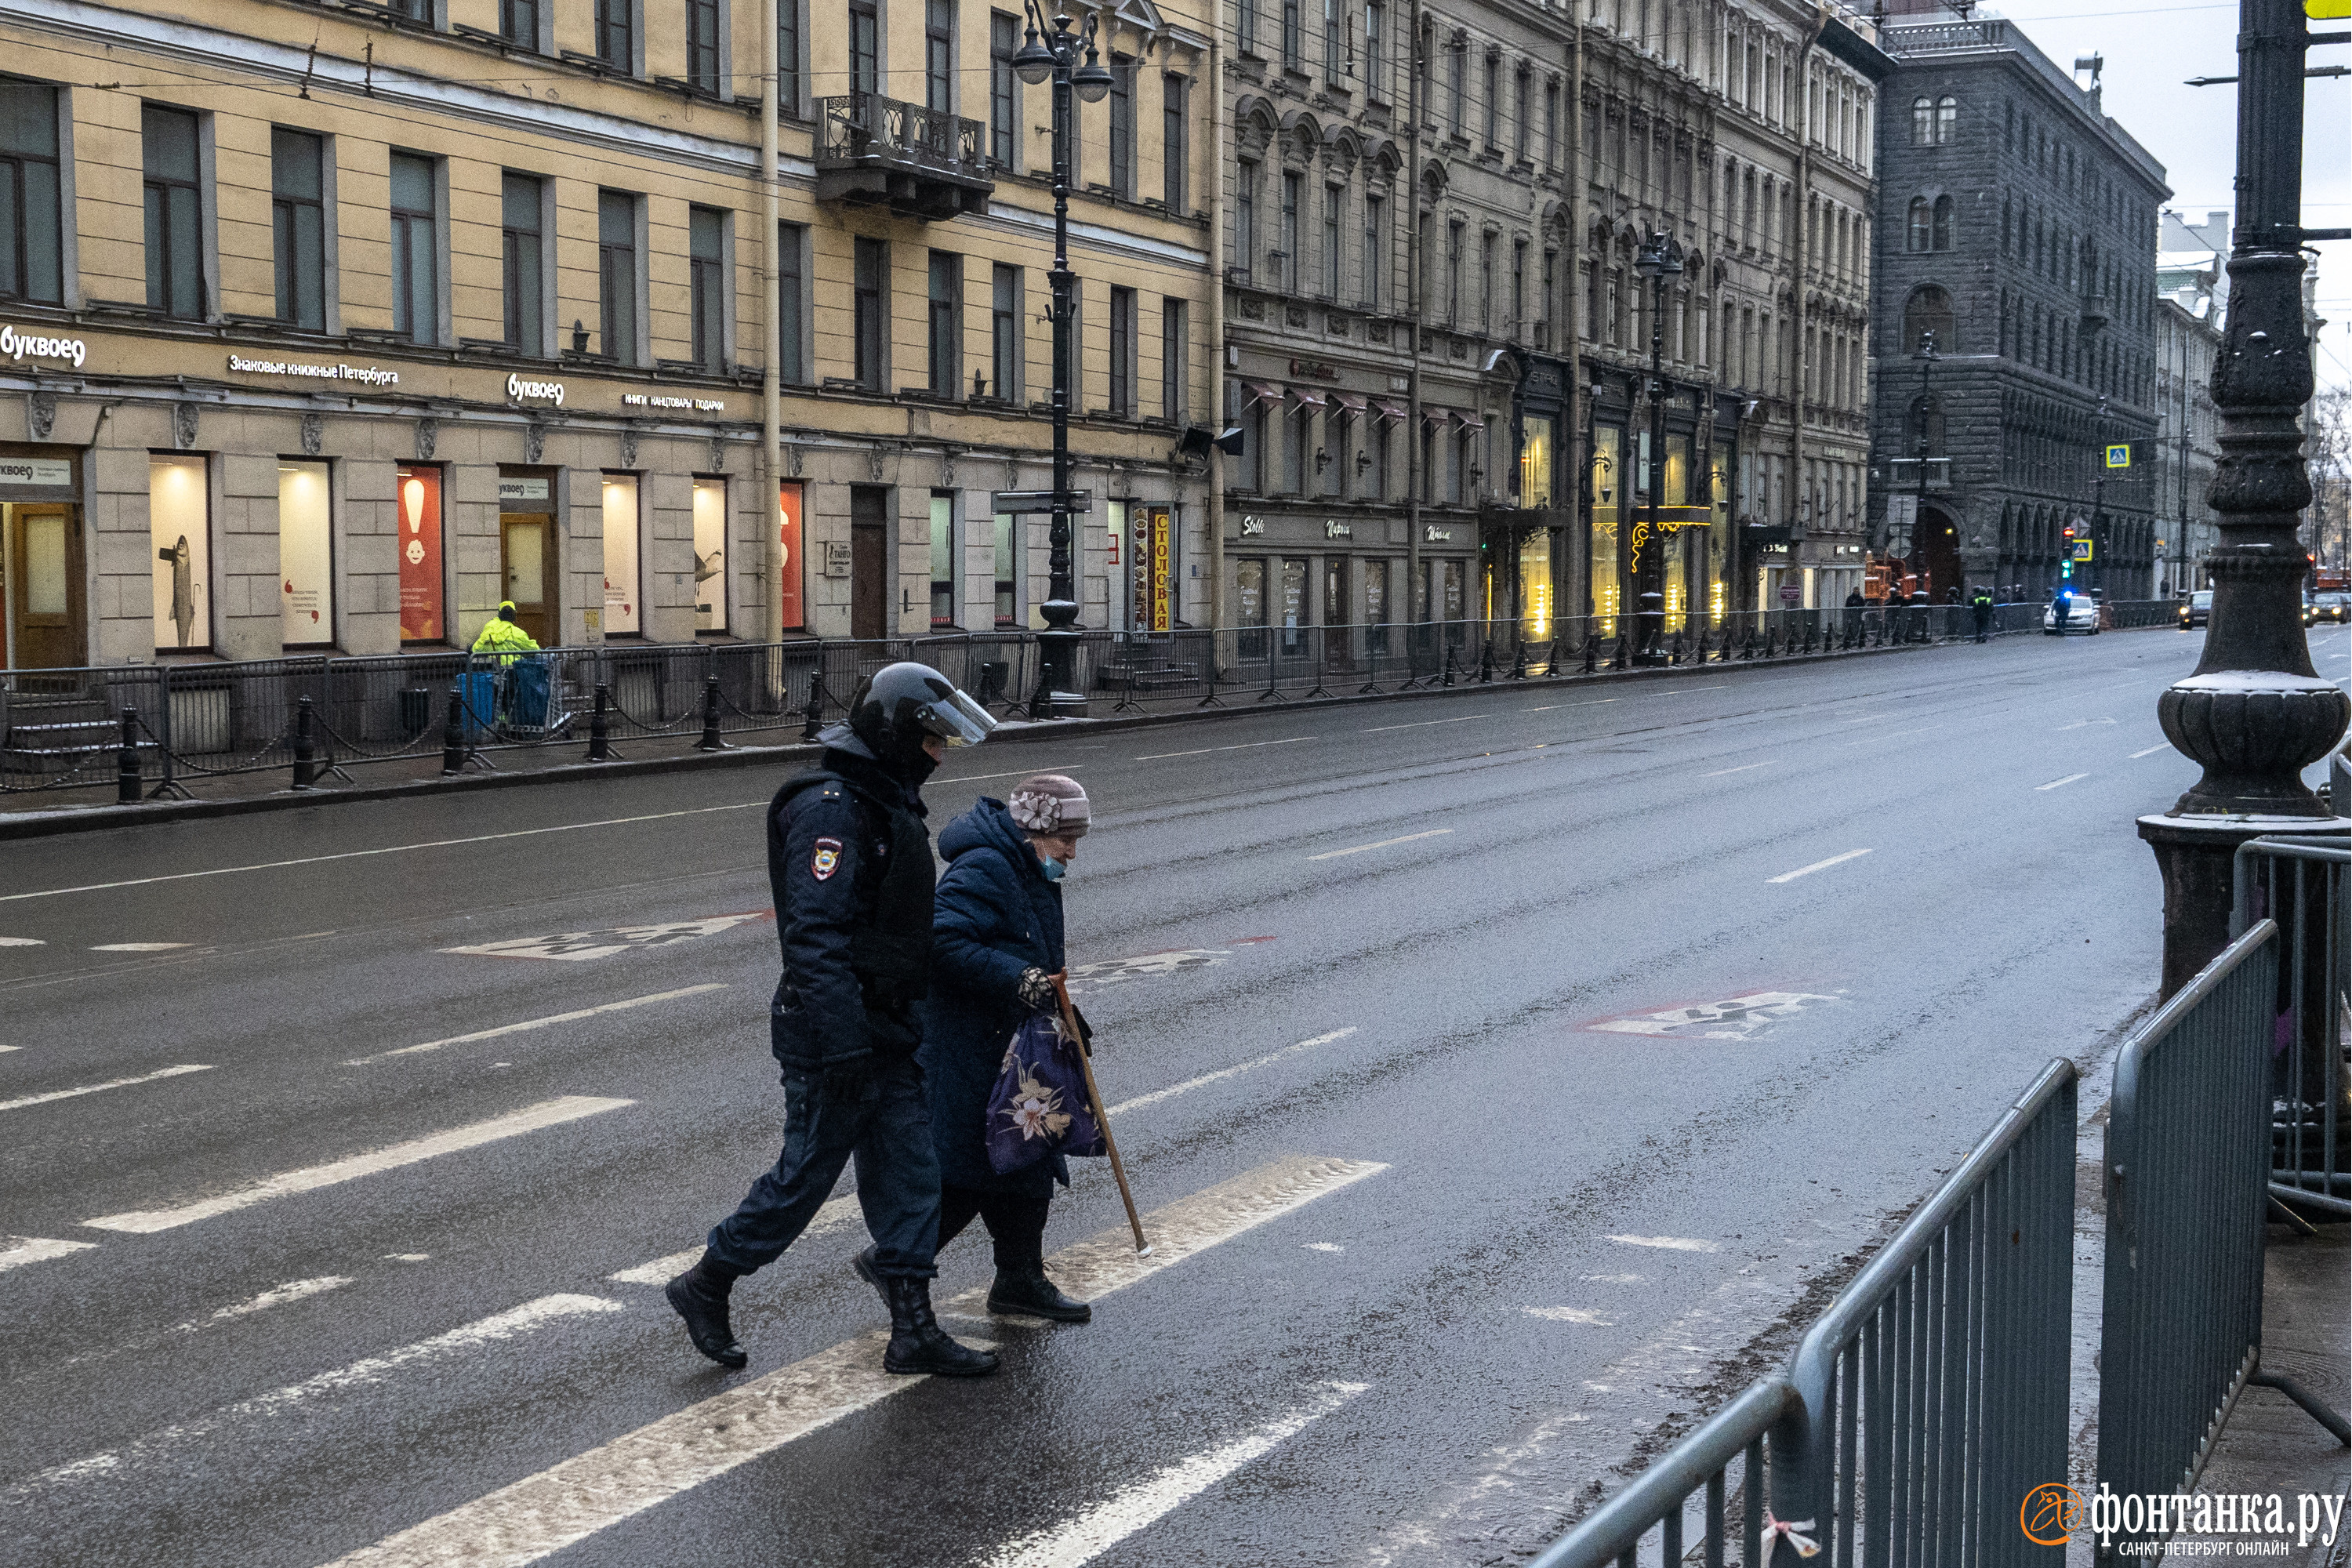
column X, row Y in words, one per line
column 1659, row 259
column 1056, row 56
column 2097, row 573
column 1915, row 547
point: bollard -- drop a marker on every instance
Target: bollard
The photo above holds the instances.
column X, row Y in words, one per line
column 1486, row 660
column 710, row 741
column 126, row 760
column 453, row 734
column 306, row 751
column 813, row 714
column 1591, row 650
column 1449, row 664
column 1519, row 658
column 600, row 734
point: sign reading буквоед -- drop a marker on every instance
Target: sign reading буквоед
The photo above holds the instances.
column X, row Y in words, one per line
column 367, row 374
column 49, row 471
column 15, row 345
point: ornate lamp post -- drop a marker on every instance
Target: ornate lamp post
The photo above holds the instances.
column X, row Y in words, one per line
column 2255, row 713
column 1915, row 549
column 1659, row 259
column 1056, row 56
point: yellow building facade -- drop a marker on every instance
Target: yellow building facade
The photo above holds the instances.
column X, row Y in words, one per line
column 327, row 326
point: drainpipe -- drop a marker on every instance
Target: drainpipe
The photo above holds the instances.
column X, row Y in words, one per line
column 771, row 401
column 1217, row 508
column 1802, row 217
column 1576, row 483
column 1413, row 581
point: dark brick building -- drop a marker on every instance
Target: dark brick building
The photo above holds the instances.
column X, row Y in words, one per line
column 2017, row 223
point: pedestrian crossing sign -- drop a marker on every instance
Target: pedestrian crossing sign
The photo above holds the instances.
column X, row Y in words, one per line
column 2081, row 550
column 2119, row 456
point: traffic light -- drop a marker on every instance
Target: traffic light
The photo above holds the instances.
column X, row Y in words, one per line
column 2069, row 530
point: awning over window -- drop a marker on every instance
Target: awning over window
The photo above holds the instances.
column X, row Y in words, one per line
column 1391, row 410
column 1349, row 401
column 1308, row 397
column 1435, row 417
column 1263, row 391
column 1468, row 419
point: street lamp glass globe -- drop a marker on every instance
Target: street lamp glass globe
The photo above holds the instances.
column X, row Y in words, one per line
column 1090, row 80
column 1033, row 62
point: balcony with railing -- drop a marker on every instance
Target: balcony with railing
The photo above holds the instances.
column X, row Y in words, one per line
column 919, row 163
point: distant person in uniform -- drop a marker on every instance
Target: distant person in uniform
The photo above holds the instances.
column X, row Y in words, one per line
column 501, row 635
column 849, row 860
column 1981, row 603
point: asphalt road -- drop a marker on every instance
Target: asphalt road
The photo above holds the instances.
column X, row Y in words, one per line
column 1435, row 1249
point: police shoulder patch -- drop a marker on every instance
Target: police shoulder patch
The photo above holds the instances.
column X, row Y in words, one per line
column 827, row 859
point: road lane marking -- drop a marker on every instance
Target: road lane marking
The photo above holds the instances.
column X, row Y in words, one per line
column 530, row 1118
column 831, row 1215
column 541, row 1514
column 1669, row 1243
column 1245, row 746
column 19, row 1104
column 1571, row 1315
column 1687, row 690
column 1556, row 707
column 506, row 1325
column 1142, row 966
column 1383, row 844
column 1817, row 865
column 1425, row 723
column 21, row 942
column 2150, row 751
column 1188, row 1085
column 1736, row 1018
column 16, row 1251
column 141, row 946
column 2055, row 783
column 387, row 850
column 578, row 946
column 1890, row 735
column 276, row 1296
column 529, row 1024
column 1750, row 768
column 2082, row 724
column 1071, row 1543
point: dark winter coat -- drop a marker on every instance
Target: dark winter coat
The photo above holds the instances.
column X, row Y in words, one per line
column 994, row 915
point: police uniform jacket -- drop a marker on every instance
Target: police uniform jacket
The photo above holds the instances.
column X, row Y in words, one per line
column 849, row 860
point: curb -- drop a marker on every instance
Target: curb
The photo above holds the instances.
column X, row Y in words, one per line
column 45, row 824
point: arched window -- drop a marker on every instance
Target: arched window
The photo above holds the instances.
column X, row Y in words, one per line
column 1923, row 122
column 1942, row 225
column 1922, row 233
column 1948, row 119
column 1929, row 309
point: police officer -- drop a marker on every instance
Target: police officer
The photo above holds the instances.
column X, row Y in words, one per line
column 1981, row 603
column 849, row 860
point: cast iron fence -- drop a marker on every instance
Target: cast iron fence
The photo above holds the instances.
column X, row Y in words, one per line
column 2304, row 886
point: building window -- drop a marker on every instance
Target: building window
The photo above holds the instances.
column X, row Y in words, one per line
column 1122, row 352
column 943, row 560
column 1248, row 28
column 1333, row 64
column 865, row 45
column 791, row 345
column 1551, row 125
column 31, row 233
column 1487, row 282
column 1290, row 34
column 1004, row 89
column 1516, row 326
column 946, row 322
column 1948, row 119
column 866, row 281
column 1457, row 67
column 175, row 256
column 179, row 512
column 788, row 56
column 702, row 67
column 616, row 275
column 1453, row 272
column 1244, row 216
column 415, row 249
column 1940, row 237
column 298, row 223
column 1921, row 214
column 1374, row 210
column 939, row 56
column 1007, row 570
column 616, row 41
column 1004, row 331
column 1376, row 30
column 706, row 278
column 519, row 21
column 1290, row 183
column 1122, row 127
column 1333, row 198
column 522, row 261
column 1172, row 356
column 1523, row 127
column 1929, row 309
column 1494, row 100
column 1175, row 153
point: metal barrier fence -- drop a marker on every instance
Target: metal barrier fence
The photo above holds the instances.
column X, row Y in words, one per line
column 2305, row 888
column 312, row 714
column 1918, row 1412
column 2185, row 1175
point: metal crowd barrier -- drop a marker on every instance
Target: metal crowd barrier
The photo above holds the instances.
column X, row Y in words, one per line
column 2305, row 888
column 311, row 714
column 1918, row 1412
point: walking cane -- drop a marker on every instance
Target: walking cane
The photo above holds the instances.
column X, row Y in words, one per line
column 1086, row 1066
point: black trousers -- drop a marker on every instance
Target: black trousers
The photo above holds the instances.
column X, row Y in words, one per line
column 1016, row 1223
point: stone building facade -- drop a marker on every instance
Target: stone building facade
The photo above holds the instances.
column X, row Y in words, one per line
column 2191, row 290
column 2017, row 224
column 333, row 347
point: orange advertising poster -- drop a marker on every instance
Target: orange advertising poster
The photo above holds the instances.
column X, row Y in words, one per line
column 789, row 534
column 418, row 493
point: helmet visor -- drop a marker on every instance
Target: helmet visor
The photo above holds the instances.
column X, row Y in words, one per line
column 957, row 719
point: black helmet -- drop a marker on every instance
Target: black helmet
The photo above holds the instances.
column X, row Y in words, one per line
column 899, row 704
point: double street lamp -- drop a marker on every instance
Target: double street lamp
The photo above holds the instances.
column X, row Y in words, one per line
column 1065, row 55
column 1659, row 259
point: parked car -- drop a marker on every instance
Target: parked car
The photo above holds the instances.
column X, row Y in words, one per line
column 2329, row 607
column 2081, row 616
column 2196, row 610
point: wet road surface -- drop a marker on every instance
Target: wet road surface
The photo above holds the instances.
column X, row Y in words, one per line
column 1496, row 1071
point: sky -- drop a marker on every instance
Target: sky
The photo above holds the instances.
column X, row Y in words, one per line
column 2192, row 131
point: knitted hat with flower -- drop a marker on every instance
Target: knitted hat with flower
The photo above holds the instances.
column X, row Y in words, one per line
column 1051, row 804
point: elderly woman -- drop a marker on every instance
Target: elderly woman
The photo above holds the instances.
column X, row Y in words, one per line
column 996, row 941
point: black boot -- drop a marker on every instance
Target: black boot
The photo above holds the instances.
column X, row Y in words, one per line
column 864, row 1263
column 699, row 1296
column 1031, row 1295
column 917, row 1341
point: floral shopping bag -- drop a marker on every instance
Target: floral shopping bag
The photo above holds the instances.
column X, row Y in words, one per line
column 1039, row 1106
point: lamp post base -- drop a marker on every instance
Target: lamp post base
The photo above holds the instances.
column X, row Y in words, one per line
column 2196, row 856
column 1057, row 695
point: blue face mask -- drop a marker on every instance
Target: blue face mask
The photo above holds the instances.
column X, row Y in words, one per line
column 1053, row 869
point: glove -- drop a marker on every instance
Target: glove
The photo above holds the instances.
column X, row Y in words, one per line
column 1035, row 990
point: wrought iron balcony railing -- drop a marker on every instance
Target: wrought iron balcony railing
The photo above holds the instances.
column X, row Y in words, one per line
column 920, row 163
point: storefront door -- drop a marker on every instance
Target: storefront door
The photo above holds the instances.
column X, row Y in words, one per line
column 869, row 584
column 527, row 552
column 41, row 588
